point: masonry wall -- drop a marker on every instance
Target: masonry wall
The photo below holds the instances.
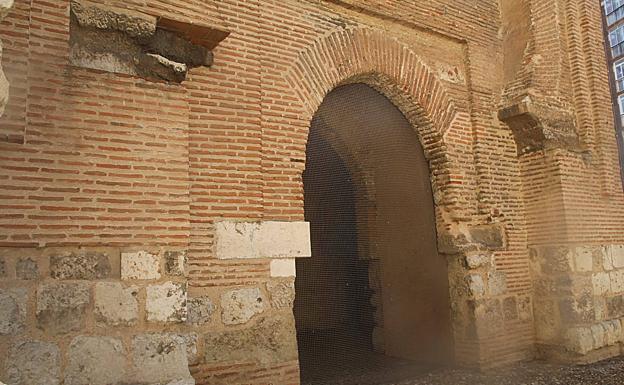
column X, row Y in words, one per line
column 97, row 166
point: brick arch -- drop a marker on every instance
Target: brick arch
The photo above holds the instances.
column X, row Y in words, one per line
column 372, row 57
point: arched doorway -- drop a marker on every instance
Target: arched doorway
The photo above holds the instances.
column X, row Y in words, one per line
column 374, row 295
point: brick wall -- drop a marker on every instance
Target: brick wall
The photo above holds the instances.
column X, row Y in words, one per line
column 92, row 159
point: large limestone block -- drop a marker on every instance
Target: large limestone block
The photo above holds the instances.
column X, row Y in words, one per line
column 13, row 305
column 116, row 305
column 241, row 305
column 88, row 266
column 166, row 302
column 61, row 307
column 140, row 265
column 200, row 310
column 235, row 240
column 160, row 358
column 33, row 363
column 95, row 361
column 5, row 7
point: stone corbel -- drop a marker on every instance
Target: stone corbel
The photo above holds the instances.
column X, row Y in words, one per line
column 537, row 127
column 5, row 7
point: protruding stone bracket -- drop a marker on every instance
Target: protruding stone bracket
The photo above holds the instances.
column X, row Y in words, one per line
column 134, row 43
column 258, row 240
column 535, row 127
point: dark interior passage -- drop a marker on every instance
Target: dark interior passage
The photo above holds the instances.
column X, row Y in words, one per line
column 373, row 299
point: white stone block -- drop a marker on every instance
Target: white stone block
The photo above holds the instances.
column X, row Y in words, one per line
column 601, row 283
column 234, row 240
column 140, row 265
column 166, row 302
column 617, row 281
column 241, row 305
column 283, row 268
column 583, row 259
column 617, row 255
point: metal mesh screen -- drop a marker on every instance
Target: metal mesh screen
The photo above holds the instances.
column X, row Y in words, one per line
column 372, row 302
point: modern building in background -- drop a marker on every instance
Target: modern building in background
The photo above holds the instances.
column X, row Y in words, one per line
column 613, row 11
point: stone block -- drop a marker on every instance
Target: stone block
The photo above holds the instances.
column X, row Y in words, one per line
column 189, row 340
column 175, row 263
column 497, row 283
column 200, row 310
column 234, row 240
column 601, row 283
column 617, row 255
column 281, row 293
column 160, row 358
column 583, row 259
column 510, row 308
column 13, row 308
column 61, row 307
column 3, row 268
column 270, row 340
column 140, row 265
column 27, row 268
column 490, row 237
column 579, row 340
column 525, row 308
column 607, row 260
column 88, row 266
column 166, row 302
column 95, row 361
column 241, row 305
column 283, row 268
column 116, row 305
column 615, row 306
column 617, row 281
column 33, row 363
column 476, row 286
column 575, row 310
column 99, row 16
column 478, row 260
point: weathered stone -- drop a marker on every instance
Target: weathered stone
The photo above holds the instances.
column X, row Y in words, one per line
column 583, row 259
column 140, row 265
column 615, row 306
column 159, row 67
column 525, row 308
column 491, row 237
column 166, row 302
column 617, row 281
column 477, row 260
column 99, row 16
column 601, row 283
column 453, row 243
column 95, row 361
column 490, row 315
column 575, row 310
column 175, row 263
column 176, row 48
column 262, row 240
column 61, row 307
column 241, row 305
column 190, row 341
column 283, row 268
column 579, row 340
column 510, row 308
column 271, row 340
column 282, row 293
column 27, row 269
column 116, row 305
column 87, row 266
column 476, row 286
column 200, row 310
column 607, row 260
column 3, row 268
column 497, row 283
column 159, row 358
column 33, row 363
column 13, row 307
column 554, row 260
column 5, row 7
column 617, row 255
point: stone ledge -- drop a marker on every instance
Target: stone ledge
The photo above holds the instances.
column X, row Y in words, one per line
column 254, row 240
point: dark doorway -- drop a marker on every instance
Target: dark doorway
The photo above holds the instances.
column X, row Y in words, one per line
column 372, row 302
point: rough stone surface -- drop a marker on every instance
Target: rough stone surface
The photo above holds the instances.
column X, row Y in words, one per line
column 510, row 308
column 476, row 286
column 241, row 305
column 617, row 255
column 95, row 361
column 283, row 268
column 235, row 240
column 116, row 305
column 475, row 261
column 61, row 307
column 270, row 340
column 601, row 283
column 190, row 341
column 3, row 268
column 488, row 236
column 5, row 7
column 166, row 302
column 200, row 310
column 98, row 16
column 140, row 265
column 27, row 268
column 497, row 283
column 617, row 281
column 583, row 260
column 175, row 263
column 33, row 363
column 86, row 266
column 282, row 293
column 13, row 307
column 160, row 358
